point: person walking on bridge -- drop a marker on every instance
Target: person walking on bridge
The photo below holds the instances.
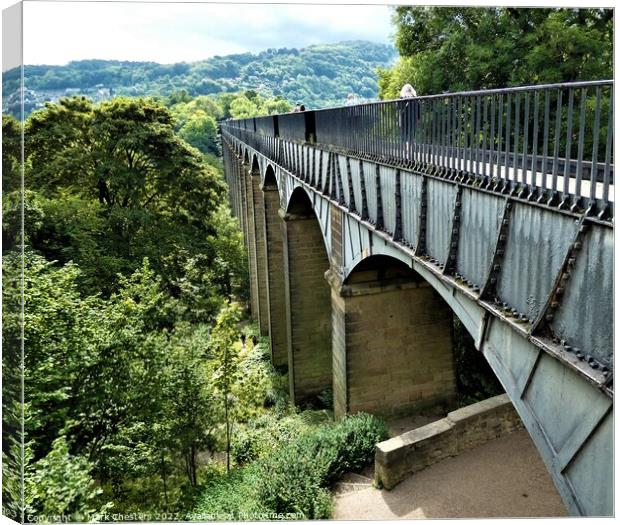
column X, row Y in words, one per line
column 408, row 91
column 405, row 120
column 351, row 100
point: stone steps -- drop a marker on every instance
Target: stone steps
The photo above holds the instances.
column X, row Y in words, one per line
column 351, row 482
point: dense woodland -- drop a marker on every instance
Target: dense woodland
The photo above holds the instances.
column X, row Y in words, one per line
column 142, row 385
column 146, row 390
column 131, row 261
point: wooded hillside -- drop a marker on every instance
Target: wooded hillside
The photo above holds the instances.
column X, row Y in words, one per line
column 317, row 76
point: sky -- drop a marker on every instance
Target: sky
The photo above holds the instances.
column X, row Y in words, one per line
column 57, row 32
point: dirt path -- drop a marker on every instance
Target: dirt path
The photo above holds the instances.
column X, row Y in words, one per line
column 502, row 478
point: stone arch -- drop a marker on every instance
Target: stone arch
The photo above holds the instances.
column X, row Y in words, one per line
column 469, row 314
column 378, row 250
column 301, row 202
column 380, row 267
column 248, row 183
column 391, row 340
column 308, row 303
column 255, row 166
column 270, row 177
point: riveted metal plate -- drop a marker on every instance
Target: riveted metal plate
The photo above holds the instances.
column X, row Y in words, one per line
column 537, row 243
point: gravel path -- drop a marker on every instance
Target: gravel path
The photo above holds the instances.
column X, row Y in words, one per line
column 502, row 478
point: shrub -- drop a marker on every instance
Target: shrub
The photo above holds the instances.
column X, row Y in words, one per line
column 227, row 496
column 61, row 484
column 356, row 437
column 263, row 434
column 296, row 475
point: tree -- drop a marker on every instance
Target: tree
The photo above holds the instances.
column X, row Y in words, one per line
column 201, row 132
column 11, row 154
column 185, row 110
column 56, row 327
column 272, row 106
column 461, row 48
column 191, row 410
column 124, row 152
column 12, row 374
column 230, row 270
column 225, row 346
column 61, row 487
column 225, row 100
column 140, row 190
column 243, row 107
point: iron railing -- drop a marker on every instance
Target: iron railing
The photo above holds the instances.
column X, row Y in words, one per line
column 548, row 141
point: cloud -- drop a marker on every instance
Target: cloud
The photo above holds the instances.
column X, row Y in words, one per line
column 57, row 32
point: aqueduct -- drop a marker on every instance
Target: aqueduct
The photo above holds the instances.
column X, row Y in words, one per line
column 368, row 226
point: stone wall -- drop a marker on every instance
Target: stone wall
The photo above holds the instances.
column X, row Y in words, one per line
column 275, row 277
column 250, row 243
column 462, row 429
column 392, row 349
column 308, row 308
column 260, row 248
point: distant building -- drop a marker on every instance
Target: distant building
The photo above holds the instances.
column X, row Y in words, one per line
column 103, row 93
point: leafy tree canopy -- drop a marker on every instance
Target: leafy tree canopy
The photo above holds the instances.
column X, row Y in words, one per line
column 461, row 48
column 114, row 183
column 11, row 153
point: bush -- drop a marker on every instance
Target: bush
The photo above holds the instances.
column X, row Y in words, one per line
column 356, row 437
column 61, row 484
column 227, row 497
column 264, row 434
column 296, row 476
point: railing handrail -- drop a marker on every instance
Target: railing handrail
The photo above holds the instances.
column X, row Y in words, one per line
column 470, row 93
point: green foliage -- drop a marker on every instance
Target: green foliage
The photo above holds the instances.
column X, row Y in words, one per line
column 190, row 416
column 462, row 48
column 244, row 106
column 184, row 107
column 265, row 433
column 113, row 184
column 123, row 152
column 12, row 374
column 195, row 120
column 12, row 463
column 11, row 153
column 60, row 486
column 228, row 497
column 56, row 324
column 295, row 476
column 132, row 396
column 225, row 348
column 201, row 132
column 136, row 375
